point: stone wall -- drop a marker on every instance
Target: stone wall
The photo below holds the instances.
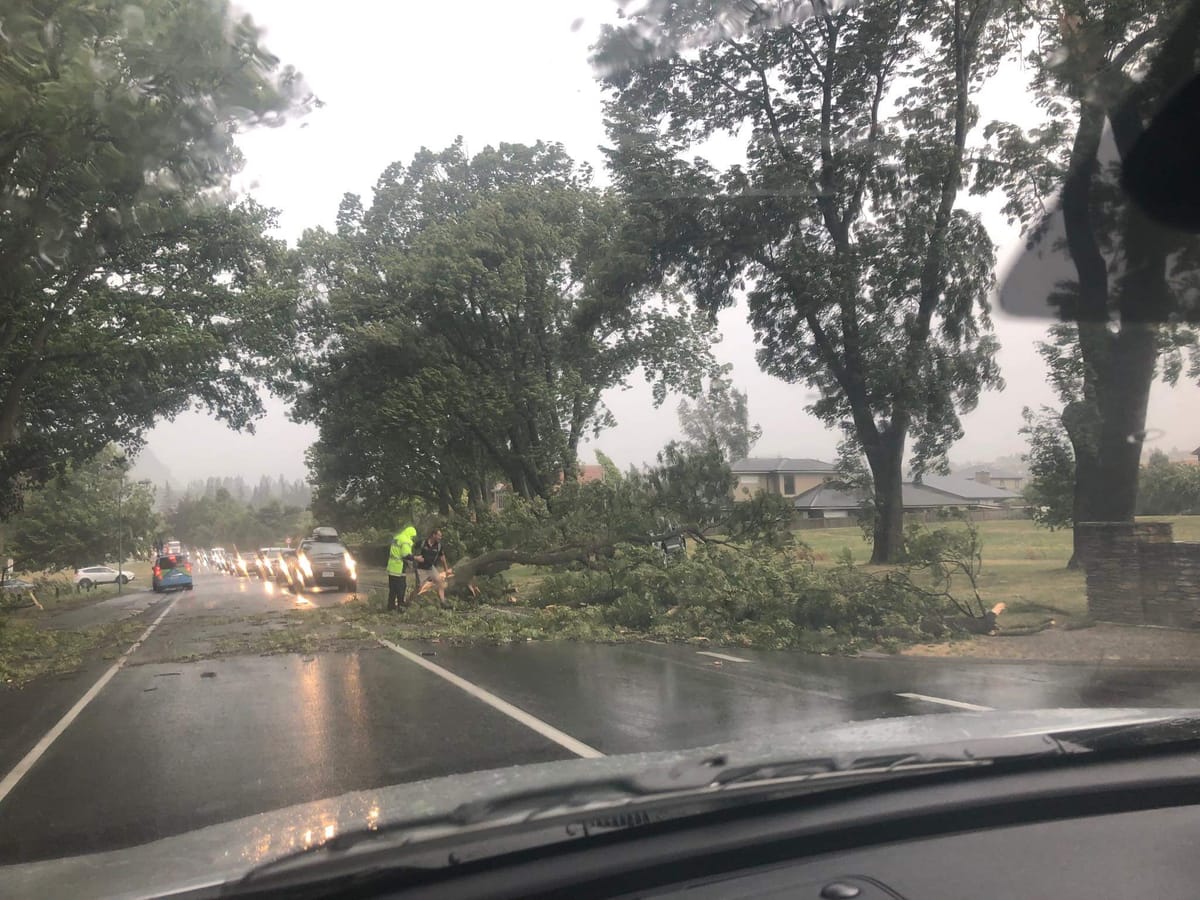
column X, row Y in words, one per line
column 1137, row 575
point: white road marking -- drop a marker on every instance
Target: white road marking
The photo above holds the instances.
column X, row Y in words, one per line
column 532, row 722
column 723, row 656
column 30, row 759
column 957, row 704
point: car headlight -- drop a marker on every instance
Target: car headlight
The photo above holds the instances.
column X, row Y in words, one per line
column 350, row 564
column 305, row 567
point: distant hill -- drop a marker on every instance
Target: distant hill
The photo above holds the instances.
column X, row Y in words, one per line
column 149, row 467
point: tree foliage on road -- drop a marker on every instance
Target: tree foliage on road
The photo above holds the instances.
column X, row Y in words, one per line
column 131, row 282
column 75, row 519
column 720, row 416
column 1101, row 71
column 463, row 329
column 865, row 280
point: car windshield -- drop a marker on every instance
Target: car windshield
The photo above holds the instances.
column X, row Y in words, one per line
column 612, row 378
column 324, row 548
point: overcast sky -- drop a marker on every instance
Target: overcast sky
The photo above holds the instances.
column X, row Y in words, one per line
column 401, row 75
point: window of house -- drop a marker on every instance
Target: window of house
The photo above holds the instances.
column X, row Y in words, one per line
column 789, row 484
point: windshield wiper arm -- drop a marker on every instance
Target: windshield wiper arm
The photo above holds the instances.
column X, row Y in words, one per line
column 709, row 778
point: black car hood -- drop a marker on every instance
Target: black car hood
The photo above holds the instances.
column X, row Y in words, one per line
column 218, row 853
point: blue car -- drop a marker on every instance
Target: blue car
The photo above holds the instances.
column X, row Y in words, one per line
column 172, row 572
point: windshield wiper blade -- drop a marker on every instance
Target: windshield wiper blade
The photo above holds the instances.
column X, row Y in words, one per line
column 617, row 801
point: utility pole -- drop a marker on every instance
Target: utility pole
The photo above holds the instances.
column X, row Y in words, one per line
column 120, row 534
column 121, row 463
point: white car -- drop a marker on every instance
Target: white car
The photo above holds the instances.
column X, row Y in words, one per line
column 85, row 578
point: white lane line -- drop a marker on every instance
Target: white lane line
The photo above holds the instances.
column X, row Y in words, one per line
column 724, row 656
column 957, row 704
column 30, row 759
column 532, row 722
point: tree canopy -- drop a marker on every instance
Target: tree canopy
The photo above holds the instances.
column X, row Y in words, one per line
column 1101, row 72
column 720, row 416
column 132, row 280
column 75, row 519
column 220, row 519
column 864, row 278
column 463, row 328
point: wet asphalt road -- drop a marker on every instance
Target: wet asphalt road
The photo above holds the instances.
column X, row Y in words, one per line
column 167, row 746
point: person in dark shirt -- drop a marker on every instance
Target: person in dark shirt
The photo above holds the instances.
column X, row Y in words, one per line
column 429, row 558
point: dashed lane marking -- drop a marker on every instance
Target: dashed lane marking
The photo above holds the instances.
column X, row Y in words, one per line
column 724, row 656
column 532, row 722
column 957, row 704
column 21, row 769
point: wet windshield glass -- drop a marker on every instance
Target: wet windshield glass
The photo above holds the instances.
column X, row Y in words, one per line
column 571, row 380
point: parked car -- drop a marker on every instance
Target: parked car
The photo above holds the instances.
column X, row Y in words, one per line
column 171, row 572
column 90, row 575
column 324, row 561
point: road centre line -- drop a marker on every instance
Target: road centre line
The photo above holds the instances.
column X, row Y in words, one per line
column 957, row 704
column 21, row 769
column 530, row 721
column 723, row 656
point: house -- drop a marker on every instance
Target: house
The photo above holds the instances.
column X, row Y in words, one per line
column 586, row 474
column 1009, row 481
column 828, row 502
column 978, row 492
column 778, row 475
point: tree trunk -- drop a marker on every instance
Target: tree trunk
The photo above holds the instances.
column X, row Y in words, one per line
column 1123, row 403
column 887, row 464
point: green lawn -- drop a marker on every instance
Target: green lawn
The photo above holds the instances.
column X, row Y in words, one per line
column 1023, row 565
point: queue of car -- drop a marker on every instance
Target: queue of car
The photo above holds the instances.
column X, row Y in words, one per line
column 321, row 560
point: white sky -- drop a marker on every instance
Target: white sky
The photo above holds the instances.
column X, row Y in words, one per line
column 397, row 76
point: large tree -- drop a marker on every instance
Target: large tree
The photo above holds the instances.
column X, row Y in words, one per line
column 721, row 417
column 84, row 517
column 129, row 277
column 463, row 329
column 864, row 277
column 1101, row 72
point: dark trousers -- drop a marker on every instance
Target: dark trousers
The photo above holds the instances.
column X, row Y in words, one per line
column 397, row 590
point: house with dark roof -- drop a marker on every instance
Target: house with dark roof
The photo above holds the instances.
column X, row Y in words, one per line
column 828, row 502
column 1010, row 481
column 778, row 475
column 980, row 492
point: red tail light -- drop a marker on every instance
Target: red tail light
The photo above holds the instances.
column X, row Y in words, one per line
column 157, row 572
column 188, row 566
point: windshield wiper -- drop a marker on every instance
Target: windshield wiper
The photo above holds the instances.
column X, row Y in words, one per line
column 657, row 794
